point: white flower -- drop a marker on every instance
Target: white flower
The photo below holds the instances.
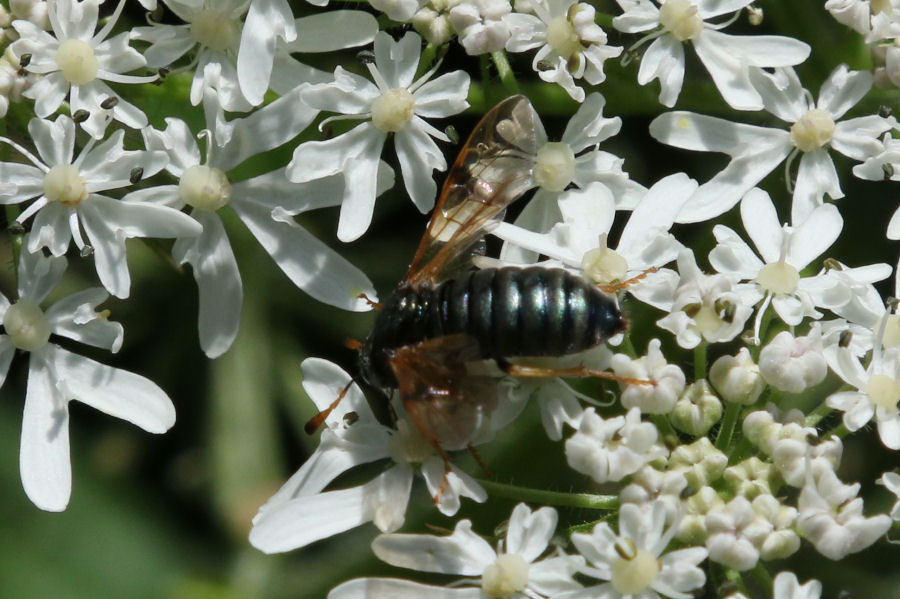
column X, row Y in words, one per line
column 649, row 486
column 571, row 43
column 699, row 463
column 68, row 199
column 515, row 570
column 742, row 532
column 831, row 517
column 266, row 204
column 650, row 399
column 697, row 410
column 785, row 252
column 756, row 151
column 213, row 28
column 791, row 363
column 270, row 36
column 57, row 376
column 727, row 542
column 876, row 19
column 728, row 58
column 786, row 586
column 482, row 25
column 634, row 561
column 877, row 393
column 301, row 513
column 580, row 242
column 77, row 61
column 395, row 104
column 700, row 306
column 611, row 449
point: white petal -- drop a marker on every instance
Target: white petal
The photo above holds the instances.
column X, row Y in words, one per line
column 50, row 229
column 755, row 152
column 728, row 70
column 44, row 449
column 307, row 519
column 762, row 224
column 309, row 264
column 114, row 391
column 334, row 30
column 266, row 128
column 815, row 235
column 529, row 532
column 462, row 552
column 732, row 256
column 398, row 588
column 858, row 138
column 816, row 177
column 782, row 93
column 397, row 61
column 419, row 156
column 39, row 275
column 588, row 126
column 664, row 60
column 267, row 21
column 656, row 211
column 53, row 140
column 843, row 89
column 75, row 316
column 348, row 94
column 443, row 96
column 218, row 283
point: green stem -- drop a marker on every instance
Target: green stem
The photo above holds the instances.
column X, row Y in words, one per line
column 505, row 71
column 628, row 347
column 816, row 416
column 729, row 422
column 840, row 431
column 700, row 361
column 576, row 500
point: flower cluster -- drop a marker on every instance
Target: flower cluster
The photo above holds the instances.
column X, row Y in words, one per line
column 716, row 419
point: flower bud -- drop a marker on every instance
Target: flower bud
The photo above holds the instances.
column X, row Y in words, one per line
column 751, row 477
column 697, row 410
column 692, row 527
column 737, row 378
column 791, row 363
column 700, row 462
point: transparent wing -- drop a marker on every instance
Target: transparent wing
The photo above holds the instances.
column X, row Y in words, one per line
column 492, row 170
column 443, row 402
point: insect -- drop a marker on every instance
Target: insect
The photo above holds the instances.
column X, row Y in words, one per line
column 444, row 315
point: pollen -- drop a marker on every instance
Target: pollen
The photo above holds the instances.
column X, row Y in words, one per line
column 215, row 29
column 76, row 61
column 778, row 277
column 603, row 265
column 813, row 130
column 26, row 325
column 635, row 570
column 507, row 575
column 883, row 391
column 562, row 37
column 63, row 183
column 393, row 109
column 680, row 18
column 204, row 187
column 554, row 166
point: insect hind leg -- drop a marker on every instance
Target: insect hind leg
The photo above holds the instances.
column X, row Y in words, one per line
column 525, row 371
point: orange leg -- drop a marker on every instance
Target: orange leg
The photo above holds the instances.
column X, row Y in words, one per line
column 370, row 301
column 622, row 285
column 316, row 421
column 522, row 371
